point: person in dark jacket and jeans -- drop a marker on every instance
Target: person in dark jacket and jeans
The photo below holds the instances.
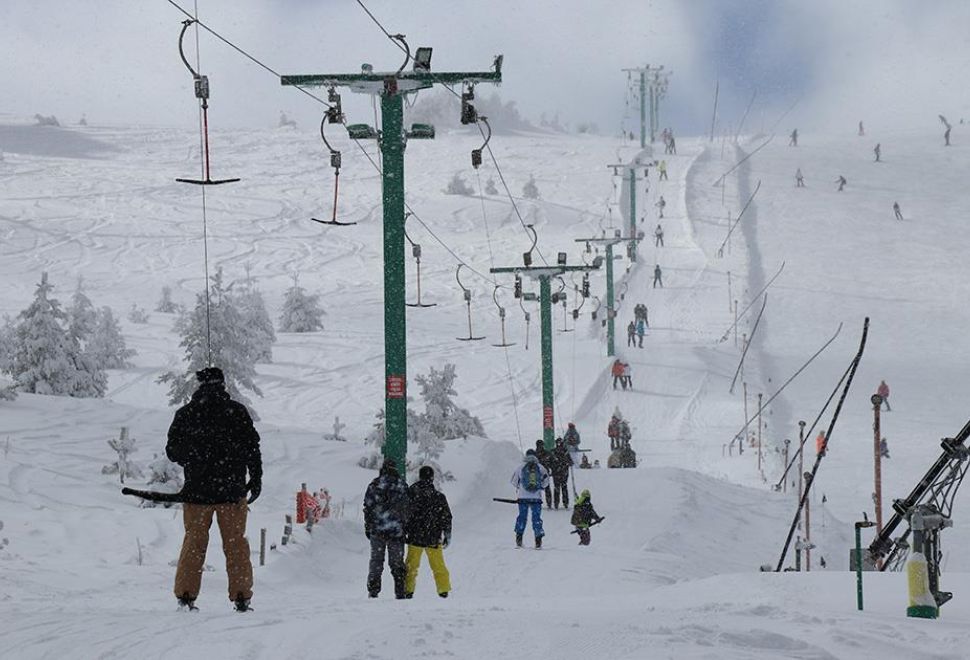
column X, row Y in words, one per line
column 386, row 510
column 560, row 464
column 213, row 438
column 544, row 456
column 428, row 530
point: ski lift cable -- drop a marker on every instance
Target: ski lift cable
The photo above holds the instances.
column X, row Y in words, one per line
column 241, row 51
column 397, row 42
column 491, row 258
column 205, row 229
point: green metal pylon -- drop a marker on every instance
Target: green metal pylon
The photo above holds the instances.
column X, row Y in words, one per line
column 655, row 79
column 643, row 110
column 610, row 297
column 544, row 274
column 634, row 235
column 392, row 87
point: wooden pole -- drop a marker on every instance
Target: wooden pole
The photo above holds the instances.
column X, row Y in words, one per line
column 808, row 526
column 745, row 385
column 735, row 323
column 784, row 483
column 262, row 546
column 760, row 459
column 877, row 460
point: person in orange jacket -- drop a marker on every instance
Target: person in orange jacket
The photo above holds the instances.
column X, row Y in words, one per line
column 821, row 444
column 617, row 372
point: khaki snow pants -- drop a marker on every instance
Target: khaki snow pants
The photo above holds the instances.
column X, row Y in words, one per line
column 231, row 519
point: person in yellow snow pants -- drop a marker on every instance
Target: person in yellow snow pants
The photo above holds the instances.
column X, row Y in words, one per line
column 428, row 530
column 436, row 558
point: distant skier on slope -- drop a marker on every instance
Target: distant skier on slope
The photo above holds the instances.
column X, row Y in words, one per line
column 658, row 277
column 799, row 179
column 946, row 133
column 617, row 372
column 821, row 444
column 841, row 181
column 561, row 462
column 862, row 131
column 613, row 428
column 631, row 335
column 662, row 170
column 658, row 236
column 793, row 138
column 896, row 211
column 529, row 480
column 883, row 391
column 627, row 376
column 661, row 205
column 641, row 330
column 571, row 436
column 884, row 448
column 213, row 438
column 584, row 515
column 878, row 151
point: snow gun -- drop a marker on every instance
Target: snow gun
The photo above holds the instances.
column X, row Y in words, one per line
column 592, row 524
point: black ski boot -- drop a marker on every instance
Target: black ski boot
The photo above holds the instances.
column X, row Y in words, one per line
column 538, row 543
column 187, row 603
column 518, row 540
column 443, row 594
column 242, row 604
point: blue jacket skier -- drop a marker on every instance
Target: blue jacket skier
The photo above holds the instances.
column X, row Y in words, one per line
column 530, row 479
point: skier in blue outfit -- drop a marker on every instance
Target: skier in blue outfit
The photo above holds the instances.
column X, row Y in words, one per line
column 641, row 330
column 530, row 480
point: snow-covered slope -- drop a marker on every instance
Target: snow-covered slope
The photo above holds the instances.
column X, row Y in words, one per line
column 673, row 572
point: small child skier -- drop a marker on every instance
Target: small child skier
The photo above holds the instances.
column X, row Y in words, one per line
column 584, row 515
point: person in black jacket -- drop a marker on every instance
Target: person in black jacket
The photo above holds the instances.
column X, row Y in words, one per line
column 544, row 456
column 560, row 463
column 428, row 530
column 213, row 438
column 386, row 510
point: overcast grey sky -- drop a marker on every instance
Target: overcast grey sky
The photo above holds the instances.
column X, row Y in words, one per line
column 889, row 62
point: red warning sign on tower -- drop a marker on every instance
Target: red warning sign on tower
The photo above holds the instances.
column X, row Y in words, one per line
column 395, row 387
column 547, row 417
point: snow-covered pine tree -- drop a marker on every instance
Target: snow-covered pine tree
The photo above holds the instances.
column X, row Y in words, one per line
column 457, row 186
column 42, row 358
column 530, row 190
column 137, row 314
column 428, row 445
column 377, row 436
column 301, row 311
column 165, row 304
column 231, row 348
column 107, row 345
column 81, row 315
column 490, row 188
column 124, row 467
column 164, row 476
column 443, row 418
column 256, row 319
column 7, row 391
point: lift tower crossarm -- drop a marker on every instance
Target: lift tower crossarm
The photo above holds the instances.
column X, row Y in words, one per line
column 544, row 274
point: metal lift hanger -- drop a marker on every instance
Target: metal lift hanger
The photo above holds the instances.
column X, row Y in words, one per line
column 416, row 251
column 202, row 93
column 501, row 316
column 467, row 293
column 334, row 115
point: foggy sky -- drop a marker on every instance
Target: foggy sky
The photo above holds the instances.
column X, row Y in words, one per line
column 889, row 62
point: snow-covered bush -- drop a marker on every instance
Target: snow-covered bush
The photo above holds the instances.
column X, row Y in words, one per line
column 530, row 190
column 124, row 445
column 137, row 314
column 106, row 345
column 81, row 315
column 41, row 355
column 255, row 319
column 490, row 188
column 457, row 186
column 46, row 120
column 337, row 428
column 165, row 304
column 301, row 311
column 231, row 346
column 443, row 418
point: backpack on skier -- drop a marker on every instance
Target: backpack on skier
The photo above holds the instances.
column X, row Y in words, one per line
column 531, row 478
